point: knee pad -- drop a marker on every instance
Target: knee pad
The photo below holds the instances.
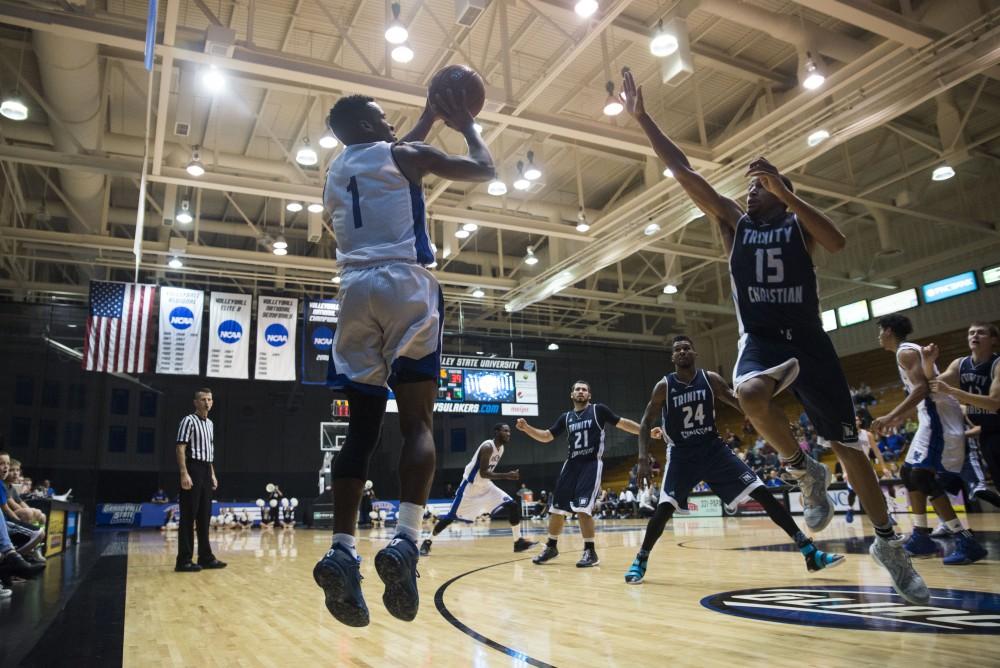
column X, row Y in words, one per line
column 363, row 431
column 919, row 480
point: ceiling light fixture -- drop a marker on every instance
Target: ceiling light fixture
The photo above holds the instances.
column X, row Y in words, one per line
column 811, row 74
column 462, row 234
column 280, row 242
column 279, row 251
column 195, row 168
column 662, row 43
column 13, row 108
column 612, row 105
column 184, row 217
column 478, row 293
column 651, row 229
column 328, row 140
column 942, row 173
column 521, row 183
column 213, row 80
column 532, row 173
column 395, row 32
column 306, row 155
column 581, row 221
column 315, row 207
column 585, row 8
column 529, row 257
column 817, row 137
column 294, row 207
column 402, row 53
column 668, row 173
column 670, row 289
column 497, row 188
column 175, row 263
column 470, row 227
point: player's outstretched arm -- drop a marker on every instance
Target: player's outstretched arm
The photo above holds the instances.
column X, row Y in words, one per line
column 909, row 360
column 930, row 354
column 698, row 189
column 722, row 391
column 816, row 225
column 630, row 426
column 540, row 435
column 653, row 409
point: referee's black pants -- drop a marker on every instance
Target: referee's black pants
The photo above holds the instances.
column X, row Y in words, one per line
column 196, row 509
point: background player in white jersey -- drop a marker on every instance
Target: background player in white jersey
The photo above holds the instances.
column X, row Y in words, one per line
column 782, row 342
column 580, row 478
column 390, row 329
column 684, row 402
column 938, row 446
column 478, row 495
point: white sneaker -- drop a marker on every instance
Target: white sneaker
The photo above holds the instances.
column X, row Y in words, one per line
column 941, row 531
column 905, row 579
column 817, row 504
column 5, row 593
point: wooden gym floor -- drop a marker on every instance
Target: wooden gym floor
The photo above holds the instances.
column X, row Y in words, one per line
column 482, row 605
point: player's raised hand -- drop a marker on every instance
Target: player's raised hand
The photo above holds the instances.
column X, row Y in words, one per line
column 514, row 475
column 930, row 352
column 453, row 109
column 769, row 177
column 521, row 424
column 632, row 94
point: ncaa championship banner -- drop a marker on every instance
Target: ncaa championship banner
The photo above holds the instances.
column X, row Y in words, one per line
column 276, row 318
column 319, row 322
column 180, row 331
column 229, row 335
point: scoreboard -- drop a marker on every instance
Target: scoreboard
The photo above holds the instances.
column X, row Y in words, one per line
column 485, row 386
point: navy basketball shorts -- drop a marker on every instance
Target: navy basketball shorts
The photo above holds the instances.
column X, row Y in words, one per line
column 820, row 384
column 989, row 446
column 578, row 485
column 728, row 476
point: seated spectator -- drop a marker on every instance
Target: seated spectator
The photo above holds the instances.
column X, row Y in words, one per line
column 733, row 441
column 648, row 499
column 22, row 511
column 759, row 444
column 803, row 420
column 627, row 504
column 160, row 497
column 748, row 429
column 24, row 537
column 772, row 479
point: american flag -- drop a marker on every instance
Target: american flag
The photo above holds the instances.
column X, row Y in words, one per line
column 120, row 327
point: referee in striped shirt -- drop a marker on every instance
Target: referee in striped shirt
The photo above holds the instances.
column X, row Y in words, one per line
column 195, row 451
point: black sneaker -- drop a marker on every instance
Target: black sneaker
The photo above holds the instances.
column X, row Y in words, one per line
column 522, row 544
column 549, row 553
column 338, row 573
column 588, row 559
column 187, row 567
column 396, row 564
column 425, row 547
column 212, row 564
column 13, row 564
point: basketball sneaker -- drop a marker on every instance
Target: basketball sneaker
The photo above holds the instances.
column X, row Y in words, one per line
column 941, row 531
column 967, row 550
column 338, row 574
column 588, row 559
column 905, row 580
column 920, row 544
column 637, row 571
column 425, row 547
column 986, row 494
column 849, row 515
column 548, row 554
column 817, row 560
column 522, row 544
column 817, row 504
column 396, row 564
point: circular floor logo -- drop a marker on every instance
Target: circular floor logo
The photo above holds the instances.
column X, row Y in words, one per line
column 866, row 608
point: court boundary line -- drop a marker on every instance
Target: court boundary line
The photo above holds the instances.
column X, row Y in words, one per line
column 472, row 633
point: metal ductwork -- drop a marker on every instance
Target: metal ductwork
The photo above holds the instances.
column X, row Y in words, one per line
column 887, row 244
column 71, row 80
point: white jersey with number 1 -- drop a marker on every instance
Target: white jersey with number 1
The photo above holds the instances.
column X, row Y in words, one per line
column 376, row 212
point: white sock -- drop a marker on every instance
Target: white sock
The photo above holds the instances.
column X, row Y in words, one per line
column 408, row 520
column 954, row 525
column 516, row 530
column 919, row 520
column 346, row 540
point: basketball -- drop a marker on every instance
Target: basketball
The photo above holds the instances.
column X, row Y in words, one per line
column 458, row 78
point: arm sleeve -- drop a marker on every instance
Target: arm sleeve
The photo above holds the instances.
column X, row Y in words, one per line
column 605, row 416
column 559, row 426
column 184, row 431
